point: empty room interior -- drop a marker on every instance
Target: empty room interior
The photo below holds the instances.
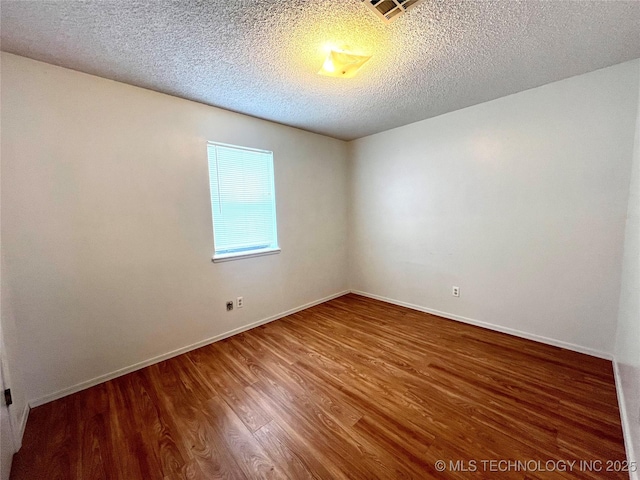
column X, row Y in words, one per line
column 329, row 239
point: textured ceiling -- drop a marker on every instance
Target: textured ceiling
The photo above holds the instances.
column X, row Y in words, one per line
column 260, row 57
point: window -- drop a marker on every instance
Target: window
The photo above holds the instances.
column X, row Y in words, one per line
column 243, row 201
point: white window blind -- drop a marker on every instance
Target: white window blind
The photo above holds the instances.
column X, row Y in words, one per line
column 242, row 201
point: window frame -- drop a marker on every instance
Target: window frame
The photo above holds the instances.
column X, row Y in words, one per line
column 225, row 257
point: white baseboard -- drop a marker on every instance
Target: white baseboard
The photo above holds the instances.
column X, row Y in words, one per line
column 123, row 371
column 491, row 326
column 626, row 423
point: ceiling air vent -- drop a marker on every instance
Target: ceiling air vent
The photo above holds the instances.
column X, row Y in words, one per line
column 389, row 10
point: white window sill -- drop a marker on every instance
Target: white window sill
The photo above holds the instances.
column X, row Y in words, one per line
column 226, row 257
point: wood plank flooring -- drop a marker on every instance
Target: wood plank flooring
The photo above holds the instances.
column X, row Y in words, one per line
column 353, row 388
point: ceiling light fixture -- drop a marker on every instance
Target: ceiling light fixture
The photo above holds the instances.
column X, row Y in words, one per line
column 342, row 64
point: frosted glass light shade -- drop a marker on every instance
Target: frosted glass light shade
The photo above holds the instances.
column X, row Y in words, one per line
column 342, row 64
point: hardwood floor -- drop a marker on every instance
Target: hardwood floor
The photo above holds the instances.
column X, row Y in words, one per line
column 352, row 388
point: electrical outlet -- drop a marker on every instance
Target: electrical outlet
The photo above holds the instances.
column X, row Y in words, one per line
column 229, row 306
column 240, row 302
column 455, row 291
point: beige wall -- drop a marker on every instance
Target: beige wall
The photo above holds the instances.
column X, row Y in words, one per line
column 521, row 202
column 107, row 232
column 628, row 339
